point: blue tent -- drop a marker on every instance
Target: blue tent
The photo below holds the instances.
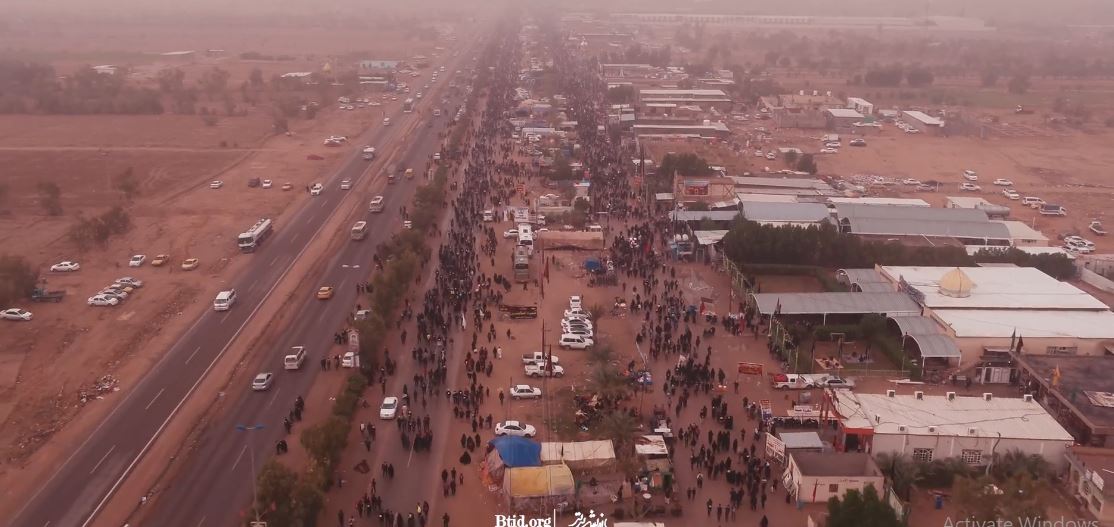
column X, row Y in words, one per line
column 518, row 451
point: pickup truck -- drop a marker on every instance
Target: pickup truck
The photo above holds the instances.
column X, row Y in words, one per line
column 801, row 381
column 40, row 294
column 538, row 357
column 540, row 370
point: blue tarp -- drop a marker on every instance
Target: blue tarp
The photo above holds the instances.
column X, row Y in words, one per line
column 592, row 264
column 518, row 451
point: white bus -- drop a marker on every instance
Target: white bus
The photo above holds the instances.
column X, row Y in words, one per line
column 248, row 241
column 376, row 204
column 526, row 239
column 359, row 230
column 408, row 105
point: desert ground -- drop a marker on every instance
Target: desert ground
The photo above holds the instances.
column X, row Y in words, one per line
column 73, row 356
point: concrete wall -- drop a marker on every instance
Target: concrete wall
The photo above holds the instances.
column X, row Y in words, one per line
column 948, row 447
column 972, row 347
column 1094, row 279
column 817, row 489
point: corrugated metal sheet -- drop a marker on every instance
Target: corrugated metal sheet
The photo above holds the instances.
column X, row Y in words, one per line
column 836, row 303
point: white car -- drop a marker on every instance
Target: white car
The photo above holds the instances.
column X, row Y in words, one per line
column 832, row 144
column 575, row 302
column 1011, row 194
column 216, row 184
column 758, row 153
column 912, row 131
column 129, row 281
column 316, row 189
column 1003, row 182
column 389, row 408
column 574, row 330
column 345, row 184
column 523, row 391
column 829, row 151
column 515, row 428
column 577, row 313
column 15, row 313
column 407, row 224
column 970, row 175
column 336, row 138
column 65, row 267
column 262, row 381
column 576, row 323
column 103, row 300
column 970, row 187
column 267, row 183
column 511, row 233
column 910, row 181
column 137, row 260
column 571, row 341
column 771, row 156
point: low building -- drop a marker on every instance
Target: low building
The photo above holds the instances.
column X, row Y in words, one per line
column 629, row 70
column 862, row 106
column 716, row 129
column 800, row 110
column 842, row 118
column 922, row 122
column 378, row 65
column 1022, row 235
column 704, row 98
column 814, row 477
column 1090, row 473
column 1077, row 390
column 994, row 212
column 931, row 427
column 914, row 224
column 703, row 189
column 898, row 202
column 786, row 214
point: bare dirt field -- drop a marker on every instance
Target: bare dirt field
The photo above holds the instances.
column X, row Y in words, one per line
column 47, row 364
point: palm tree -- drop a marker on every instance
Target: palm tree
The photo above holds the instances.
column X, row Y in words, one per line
column 903, row 472
column 607, row 381
column 621, row 429
column 1017, row 462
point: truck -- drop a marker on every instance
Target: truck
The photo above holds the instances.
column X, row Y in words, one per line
column 801, row 381
column 538, row 357
column 368, row 153
column 254, row 236
column 542, row 370
column 40, row 294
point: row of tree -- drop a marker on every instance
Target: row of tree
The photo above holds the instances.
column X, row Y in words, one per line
column 33, row 87
column 17, row 279
column 748, row 242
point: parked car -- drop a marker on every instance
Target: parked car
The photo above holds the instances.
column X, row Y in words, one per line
column 65, row 267
column 970, row 175
column 828, row 151
column 580, row 313
column 160, row 260
column 216, row 184
column 267, row 183
column 510, row 233
column 857, row 142
column 316, row 189
column 1003, row 182
column 575, row 302
column 103, row 300
column 262, row 381
column 346, row 184
column 515, row 428
column 389, row 408
column 190, row 264
column 571, row 341
column 524, row 391
column 910, row 181
column 1011, row 194
column 1032, row 201
column 16, row 313
column 127, row 280
column 137, row 260
column 970, row 187
column 325, row 292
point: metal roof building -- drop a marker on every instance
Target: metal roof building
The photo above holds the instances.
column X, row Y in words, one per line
column 777, row 214
column 930, row 427
column 888, row 220
column 1013, row 288
column 835, row 303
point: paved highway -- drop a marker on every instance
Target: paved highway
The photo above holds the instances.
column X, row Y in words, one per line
column 214, row 486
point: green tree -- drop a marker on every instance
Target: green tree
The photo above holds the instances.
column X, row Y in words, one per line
column 50, row 197
column 902, row 472
column 581, row 205
column 807, row 163
column 1019, row 84
column 684, row 165
column 623, row 94
column 325, row 441
column 919, row 77
column 127, row 183
column 171, row 80
column 1018, row 462
column 256, row 77
column 285, row 499
column 859, row 509
column 872, row 327
column 621, row 428
column 1018, row 498
column 791, row 157
column 17, row 279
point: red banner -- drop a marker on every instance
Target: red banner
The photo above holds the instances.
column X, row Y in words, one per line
column 750, row 368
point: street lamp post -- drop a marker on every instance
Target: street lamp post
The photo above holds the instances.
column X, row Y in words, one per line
column 254, row 489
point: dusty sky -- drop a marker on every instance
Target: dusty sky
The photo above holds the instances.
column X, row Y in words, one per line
column 1032, row 12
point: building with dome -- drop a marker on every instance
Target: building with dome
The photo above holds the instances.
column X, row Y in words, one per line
column 986, row 310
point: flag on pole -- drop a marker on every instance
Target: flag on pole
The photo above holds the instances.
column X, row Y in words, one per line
column 1020, row 345
column 1013, row 339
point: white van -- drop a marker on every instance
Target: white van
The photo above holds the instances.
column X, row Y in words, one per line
column 386, row 121
column 571, row 341
column 489, row 215
column 295, row 358
column 595, row 228
column 224, row 300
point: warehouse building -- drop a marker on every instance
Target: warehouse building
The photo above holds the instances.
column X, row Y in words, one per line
column 923, row 122
column 915, row 225
column 933, row 427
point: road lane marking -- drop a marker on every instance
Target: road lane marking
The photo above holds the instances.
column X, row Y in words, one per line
column 148, row 407
column 391, row 136
column 273, row 397
column 242, row 450
column 225, row 317
column 104, row 457
column 294, row 238
column 273, row 260
column 192, row 354
column 202, row 521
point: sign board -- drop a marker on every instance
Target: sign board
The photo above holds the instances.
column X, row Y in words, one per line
column 750, row 368
column 775, row 448
column 1097, row 480
column 805, row 411
column 354, row 341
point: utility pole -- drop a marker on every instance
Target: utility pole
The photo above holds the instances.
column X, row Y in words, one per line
column 254, row 487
